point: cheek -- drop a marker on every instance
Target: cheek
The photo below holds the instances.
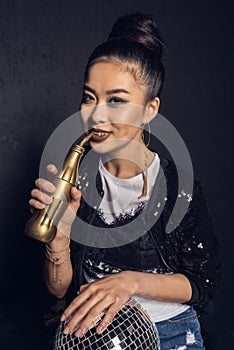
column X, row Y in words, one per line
column 84, row 116
column 127, row 131
column 131, row 115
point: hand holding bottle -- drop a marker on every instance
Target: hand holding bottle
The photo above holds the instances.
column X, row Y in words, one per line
column 42, row 195
column 44, row 224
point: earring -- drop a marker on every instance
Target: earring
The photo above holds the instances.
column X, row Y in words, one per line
column 145, row 177
column 145, row 172
column 149, row 131
column 143, row 135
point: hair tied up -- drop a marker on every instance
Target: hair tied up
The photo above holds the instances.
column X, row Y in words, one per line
column 141, row 28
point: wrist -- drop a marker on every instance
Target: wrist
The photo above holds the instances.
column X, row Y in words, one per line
column 59, row 242
column 63, row 229
column 132, row 281
column 57, row 258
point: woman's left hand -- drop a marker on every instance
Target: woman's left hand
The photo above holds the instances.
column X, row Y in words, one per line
column 106, row 294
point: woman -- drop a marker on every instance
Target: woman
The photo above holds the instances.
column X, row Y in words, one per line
column 169, row 273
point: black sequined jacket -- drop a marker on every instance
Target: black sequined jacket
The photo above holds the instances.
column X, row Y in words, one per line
column 191, row 248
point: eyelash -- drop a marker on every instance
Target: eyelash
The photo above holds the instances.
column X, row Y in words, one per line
column 84, row 98
column 119, row 100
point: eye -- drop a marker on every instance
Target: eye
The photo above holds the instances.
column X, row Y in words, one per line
column 116, row 101
column 86, row 98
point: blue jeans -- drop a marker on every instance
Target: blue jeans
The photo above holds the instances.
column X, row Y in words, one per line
column 181, row 332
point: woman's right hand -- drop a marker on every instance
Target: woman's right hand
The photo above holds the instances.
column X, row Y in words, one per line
column 42, row 196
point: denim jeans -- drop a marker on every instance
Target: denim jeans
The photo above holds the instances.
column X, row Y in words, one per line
column 181, row 332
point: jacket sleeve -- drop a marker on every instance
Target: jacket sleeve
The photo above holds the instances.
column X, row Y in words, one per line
column 198, row 249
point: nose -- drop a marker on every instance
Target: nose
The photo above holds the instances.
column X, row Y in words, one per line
column 99, row 114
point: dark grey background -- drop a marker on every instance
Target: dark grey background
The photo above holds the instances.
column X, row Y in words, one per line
column 43, row 49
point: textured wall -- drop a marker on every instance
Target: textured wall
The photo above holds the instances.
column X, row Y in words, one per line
column 43, row 49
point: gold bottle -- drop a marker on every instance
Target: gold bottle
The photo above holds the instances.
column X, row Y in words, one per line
column 43, row 223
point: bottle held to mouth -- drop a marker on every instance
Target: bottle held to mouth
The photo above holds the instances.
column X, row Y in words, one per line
column 43, row 223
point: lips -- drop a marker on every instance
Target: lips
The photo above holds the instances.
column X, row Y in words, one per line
column 100, row 134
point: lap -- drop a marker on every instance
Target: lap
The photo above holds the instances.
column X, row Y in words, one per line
column 181, row 332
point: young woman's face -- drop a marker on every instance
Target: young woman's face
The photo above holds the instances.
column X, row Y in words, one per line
column 112, row 106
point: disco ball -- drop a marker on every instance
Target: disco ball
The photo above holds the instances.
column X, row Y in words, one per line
column 131, row 329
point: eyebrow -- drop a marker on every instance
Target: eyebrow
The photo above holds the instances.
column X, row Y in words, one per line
column 108, row 92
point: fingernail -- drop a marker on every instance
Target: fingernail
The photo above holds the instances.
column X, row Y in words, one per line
column 50, row 167
column 66, row 330
column 79, row 333
column 51, row 188
column 63, row 318
column 49, row 200
column 100, row 328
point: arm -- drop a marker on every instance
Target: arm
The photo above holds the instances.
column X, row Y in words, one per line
column 196, row 260
column 112, row 291
column 57, row 268
column 58, row 277
column 198, row 250
column 174, row 288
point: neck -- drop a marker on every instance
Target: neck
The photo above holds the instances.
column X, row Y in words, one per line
column 128, row 164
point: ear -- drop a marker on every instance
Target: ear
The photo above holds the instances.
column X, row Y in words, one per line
column 151, row 110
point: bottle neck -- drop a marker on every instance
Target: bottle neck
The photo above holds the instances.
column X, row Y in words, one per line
column 71, row 164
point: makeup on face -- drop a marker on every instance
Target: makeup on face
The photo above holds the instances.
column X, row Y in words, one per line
column 112, row 104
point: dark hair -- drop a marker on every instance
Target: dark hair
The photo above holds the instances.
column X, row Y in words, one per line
column 135, row 43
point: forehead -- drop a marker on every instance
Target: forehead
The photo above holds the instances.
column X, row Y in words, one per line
column 108, row 75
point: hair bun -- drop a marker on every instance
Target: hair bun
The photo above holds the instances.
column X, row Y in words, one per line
column 142, row 28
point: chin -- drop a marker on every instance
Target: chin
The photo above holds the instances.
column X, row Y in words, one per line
column 109, row 146
column 102, row 149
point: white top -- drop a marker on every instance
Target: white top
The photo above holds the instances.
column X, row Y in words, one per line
column 120, row 197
